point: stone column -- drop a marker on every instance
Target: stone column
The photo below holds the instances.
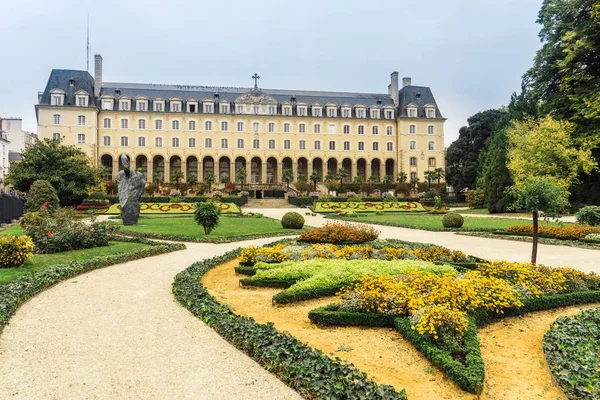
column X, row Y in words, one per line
column 167, row 170
column 248, row 179
column 132, row 165
column 184, row 169
column 368, row 170
column 150, row 170
column 279, row 177
column 115, row 167
column 381, row 170
column 295, row 169
column 232, row 171
column 309, row 169
column 263, row 172
column 200, row 172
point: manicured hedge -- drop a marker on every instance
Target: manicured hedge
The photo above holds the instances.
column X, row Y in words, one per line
column 572, row 350
column 174, row 208
column 13, row 294
column 329, row 315
column 468, row 376
column 245, row 270
column 307, row 201
column 239, row 201
column 367, row 206
column 209, row 239
column 307, row 370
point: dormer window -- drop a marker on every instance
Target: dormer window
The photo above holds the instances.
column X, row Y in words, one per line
column 107, row 104
column 374, row 113
column 208, row 107
column 301, row 110
column 256, row 109
column 141, row 105
column 316, row 111
column 272, row 110
column 430, row 111
column 389, row 114
column 331, row 112
column 57, row 97
column 224, row 108
column 159, row 105
column 239, row 109
column 412, row 112
column 124, row 105
column 360, row 113
column 346, row 112
column 175, row 105
column 287, row 110
column 81, row 99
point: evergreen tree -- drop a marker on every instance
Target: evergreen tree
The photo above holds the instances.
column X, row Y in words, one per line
column 495, row 177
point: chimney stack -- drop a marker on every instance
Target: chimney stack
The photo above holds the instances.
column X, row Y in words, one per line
column 97, row 74
column 394, row 87
column 406, row 81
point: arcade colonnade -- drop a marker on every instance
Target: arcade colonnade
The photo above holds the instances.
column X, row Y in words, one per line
column 259, row 170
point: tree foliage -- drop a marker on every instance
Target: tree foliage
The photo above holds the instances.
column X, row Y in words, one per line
column 67, row 169
column 495, row 177
column 207, row 214
column 40, row 193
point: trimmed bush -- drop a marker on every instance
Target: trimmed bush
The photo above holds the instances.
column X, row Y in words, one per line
column 15, row 250
column 589, row 215
column 453, row 220
column 340, row 233
column 41, row 193
column 207, row 215
column 475, row 198
column 292, row 220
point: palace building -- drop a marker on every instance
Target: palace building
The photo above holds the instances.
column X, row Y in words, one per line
column 202, row 129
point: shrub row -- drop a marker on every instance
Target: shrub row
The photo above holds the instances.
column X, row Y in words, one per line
column 308, row 201
column 567, row 232
column 245, row 270
column 423, row 228
column 307, row 370
column 329, row 315
column 572, row 349
column 213, row 239
column 13, row 294
column 238, row 201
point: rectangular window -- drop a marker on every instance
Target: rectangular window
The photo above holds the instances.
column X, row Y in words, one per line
column 158, row 142
column 107, row 105
column 431, row 146
column 255, row 126
column 360, row 113
column 224, row 108
column 175, row 125
column 141, row 105
column 286, row 128
column 431, row 162
column 175, row 142
column 81, row 120
column 361, row 130
column 57, row 100
column 375, row 146
column 240, row 143
column 208, row 143
column 316, row 112
column 142, row 124
column 331, row 145
column 80, row 138
column 302, row 128
column 272, row 110
column 271, row 127
column 124, row 141
column 224, row 143
column 287, row 144
column 302, row 145
column 271, row 144
column 375, row 114
column 256, row 144
column 388, row 114
column 390, row 146
column 412, row 129
column 413, row 161
column 317, row 145
column 208, row 125
column 430, row 130
column 192, row 125
column 107, row 123
column 413, row 176
column 192, row 107
column 361, row 146
column 158, row 124
column 240, row 109
column 412, row 113
column 412, row 145
column 346, row 129
column 346, row 113
column 332, row 112
column 106, row 140
column 57, row 119
column 430, row 113
column 159, row 106
column 141, row 141
column 124, row 123
column 240, row 126
column 346, row 145
column 317, row 128
column 256, row 109
column 375, row 130
column 175, row 107
column 208, row 108
column 302, row 111
column 192, row 142
column 124, row 105
column 389, row 131
column 81, row 101
column 224, row 126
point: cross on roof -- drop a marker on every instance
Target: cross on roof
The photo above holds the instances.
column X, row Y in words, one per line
column 256, row 78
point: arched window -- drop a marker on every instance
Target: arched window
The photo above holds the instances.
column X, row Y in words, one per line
column 158, row 124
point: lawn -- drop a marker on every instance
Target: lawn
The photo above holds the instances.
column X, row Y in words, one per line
column 484, row 211
column 186, row 226
column 12, row 230
column 41, row 261
column 174, row 208
column 434, row 222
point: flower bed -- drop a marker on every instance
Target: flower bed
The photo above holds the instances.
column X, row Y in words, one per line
column 572, row 350
column 174, row 208
column 308, row 371
column 566, row 232
column 335, row 232
column 336, row 206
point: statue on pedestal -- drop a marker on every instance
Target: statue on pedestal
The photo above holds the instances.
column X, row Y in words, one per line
column 131, row 187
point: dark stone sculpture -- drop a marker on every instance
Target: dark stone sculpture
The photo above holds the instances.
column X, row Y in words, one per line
column 131, row 187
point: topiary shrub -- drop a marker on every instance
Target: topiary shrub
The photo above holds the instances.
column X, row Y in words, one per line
column 40, row 193
column 292, row 220
column 475, row 198
column 207, row 214
column 453, row 220
column 589, row 215
column 15, row 250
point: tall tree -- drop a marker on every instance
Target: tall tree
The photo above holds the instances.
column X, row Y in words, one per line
column 495, row 177
column 67, row 169
column 462, row 157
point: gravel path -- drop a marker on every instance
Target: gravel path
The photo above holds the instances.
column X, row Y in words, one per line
column 118, row 333
column 498, row 249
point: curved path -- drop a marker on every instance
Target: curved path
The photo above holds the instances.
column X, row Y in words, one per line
column 586, row 260
column 118, row 333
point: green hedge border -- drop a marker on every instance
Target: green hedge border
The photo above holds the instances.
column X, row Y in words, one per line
column 239, row 201
column 307, row 370
column 215, row 239
column 571, row 349
column 15, row 293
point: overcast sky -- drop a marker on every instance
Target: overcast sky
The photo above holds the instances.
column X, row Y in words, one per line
column 472, row 53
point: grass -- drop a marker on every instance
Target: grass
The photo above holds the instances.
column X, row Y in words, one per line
column 228, row 226
column 15, row 229
column 434, row 222
column 41, row 261
column 484, row 211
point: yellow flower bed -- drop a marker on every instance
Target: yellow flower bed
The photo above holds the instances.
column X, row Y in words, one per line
column 15, row 250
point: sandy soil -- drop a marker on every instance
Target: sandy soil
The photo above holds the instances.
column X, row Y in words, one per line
column 392, row 360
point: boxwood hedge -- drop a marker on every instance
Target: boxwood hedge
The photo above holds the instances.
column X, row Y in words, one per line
column 307, row 370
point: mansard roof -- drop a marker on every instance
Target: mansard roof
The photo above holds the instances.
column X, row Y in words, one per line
column 420, row 96
column 59, row 79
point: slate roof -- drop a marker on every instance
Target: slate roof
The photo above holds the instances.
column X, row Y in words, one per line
column 418, row 95
column 59, row 79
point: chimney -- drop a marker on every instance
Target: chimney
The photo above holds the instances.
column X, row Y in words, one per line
column 390, row 90
column 406, row 81
column 97, row 74
column 394, row 87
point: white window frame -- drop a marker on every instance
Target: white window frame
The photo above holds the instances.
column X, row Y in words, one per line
column 412, row 145
column 224, row 126
column 361, row 146
column 124, row 104
column 175, row 125
column 431, row 145
column 124, row 123
column 286, row 127
column 302, row 128
column 287, row 144
column 317, row 145
column 302, row 144
column 317, row 128
column 375, row 130
column 271, row 144
column 256, row 143
column 159, row 105
column 56, row 119
column 331, row 145
column 240, row 143
column 346, row 146
column 81, row 120
column 208, row 125
column 106, row 141
column 390, row 146
column 124, row 141
column 375, row 146
column 141, row 105
column 224, row 143
column 430, row 130
column 158, row 141
column 175, row 142
column 81, row 138
column 158, row 124
column 107, row 123
column 191, row 125
column 412, row 129
column 271, row 127
column 208, row 143
column 389, row 130
column 192, row 142
column 240, row 126
column 141, row 123
column 141, row 141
